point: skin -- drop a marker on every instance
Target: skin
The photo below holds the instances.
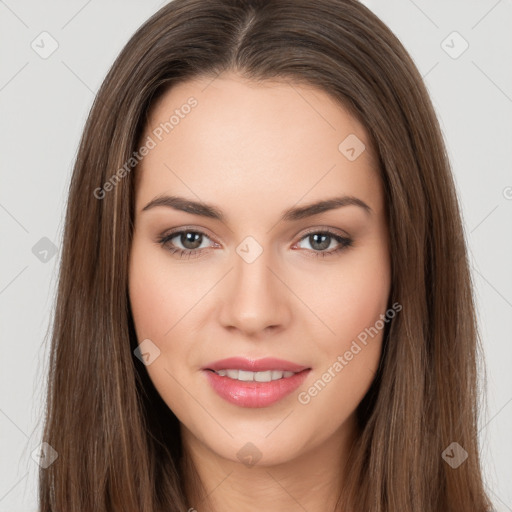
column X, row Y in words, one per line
column 255, row 150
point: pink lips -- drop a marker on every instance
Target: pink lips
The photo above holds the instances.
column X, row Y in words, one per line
column 252, row 393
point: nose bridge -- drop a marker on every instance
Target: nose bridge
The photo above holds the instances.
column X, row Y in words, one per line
column 255, row 298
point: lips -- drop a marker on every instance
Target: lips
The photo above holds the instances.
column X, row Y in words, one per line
column 252, row 393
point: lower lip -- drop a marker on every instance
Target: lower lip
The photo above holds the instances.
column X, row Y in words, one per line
column 252, row 393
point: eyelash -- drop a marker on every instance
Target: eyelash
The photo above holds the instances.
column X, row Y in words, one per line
column 344, row 242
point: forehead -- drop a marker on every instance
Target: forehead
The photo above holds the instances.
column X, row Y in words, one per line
column 229, row 139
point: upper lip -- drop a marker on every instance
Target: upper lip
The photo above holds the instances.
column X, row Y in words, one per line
column 254, row 365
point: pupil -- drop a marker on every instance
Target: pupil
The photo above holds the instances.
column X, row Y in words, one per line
column 189, row 240
column 321, row 245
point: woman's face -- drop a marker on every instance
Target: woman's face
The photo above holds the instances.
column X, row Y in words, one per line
column 259, row 272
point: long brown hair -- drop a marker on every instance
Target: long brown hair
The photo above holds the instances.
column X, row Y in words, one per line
column 118, row 444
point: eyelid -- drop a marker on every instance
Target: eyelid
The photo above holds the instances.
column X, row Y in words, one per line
column 321, row 229
column 175, row 231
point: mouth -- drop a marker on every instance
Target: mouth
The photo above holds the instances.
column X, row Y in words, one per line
column 254, row 383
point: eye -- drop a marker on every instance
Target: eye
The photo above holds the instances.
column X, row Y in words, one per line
column 191, row 242
column 321, row 240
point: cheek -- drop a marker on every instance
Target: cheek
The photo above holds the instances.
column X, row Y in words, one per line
column 352, row 304
column 352, row 296
column 362, row 298
column 159, row 303
column 161, row 292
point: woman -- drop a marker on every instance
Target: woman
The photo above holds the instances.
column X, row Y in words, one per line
column 264, row 300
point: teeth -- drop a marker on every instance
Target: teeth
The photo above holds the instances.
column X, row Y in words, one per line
column 248, row 376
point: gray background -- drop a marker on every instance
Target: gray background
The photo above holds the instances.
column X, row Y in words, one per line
column 44, row 103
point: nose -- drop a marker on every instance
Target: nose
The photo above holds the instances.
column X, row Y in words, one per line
column 255, row 298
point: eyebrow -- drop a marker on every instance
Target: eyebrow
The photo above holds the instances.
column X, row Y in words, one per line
column 292, row 214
